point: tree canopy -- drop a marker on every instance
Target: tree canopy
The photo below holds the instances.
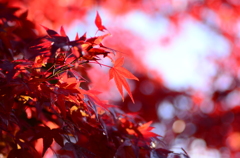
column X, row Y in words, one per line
column 35, row 32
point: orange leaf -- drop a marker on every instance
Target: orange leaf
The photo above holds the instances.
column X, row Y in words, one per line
column 126, row 73
column 145, row 126
column 97, row 40
column 119, row 62
column 145, row 129
column 117, row 79
column 119, row 74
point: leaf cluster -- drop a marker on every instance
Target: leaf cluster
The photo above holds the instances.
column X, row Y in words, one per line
column 44, row 95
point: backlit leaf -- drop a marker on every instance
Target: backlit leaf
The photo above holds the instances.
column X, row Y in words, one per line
column 97, row 40
column 119, row 74
column 98, row 22
column 62, row 32
column 119, row 62
column 145, row 130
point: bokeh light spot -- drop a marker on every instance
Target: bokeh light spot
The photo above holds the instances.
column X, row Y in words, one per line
column 166, row 110
column 134, row 107
column 207, row 107
column 178, row 126
column 233, row 99
column 147, row 87
column 190, row 129
column 233, row 141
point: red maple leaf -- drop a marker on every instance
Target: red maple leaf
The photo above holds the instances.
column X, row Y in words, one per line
column 119, row 74
column 145, row 130
column 62, row 32
column 97, row 40
column 48, row 135
column 98, row 22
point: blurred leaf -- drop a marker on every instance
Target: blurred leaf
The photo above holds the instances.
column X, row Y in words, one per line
column 127, row 150
column 98, row 22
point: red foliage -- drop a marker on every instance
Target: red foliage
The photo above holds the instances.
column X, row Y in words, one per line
column 119, row 74
column 46, row 104
column 41, row 74
column 98, row 22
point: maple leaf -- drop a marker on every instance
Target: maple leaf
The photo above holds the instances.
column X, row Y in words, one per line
column 50, row 32
column 62, row 32
column 76, row 37
column 48, row 135
column 97, row 40
column 98, row 51
column 83, row 37
column 119, row 74
column 145, row 130
column 98, row 22
column 58, row 40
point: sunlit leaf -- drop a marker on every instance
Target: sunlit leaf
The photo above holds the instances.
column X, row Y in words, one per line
column 119, row 74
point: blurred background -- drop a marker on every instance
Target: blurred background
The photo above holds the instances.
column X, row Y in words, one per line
column 185, row 54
